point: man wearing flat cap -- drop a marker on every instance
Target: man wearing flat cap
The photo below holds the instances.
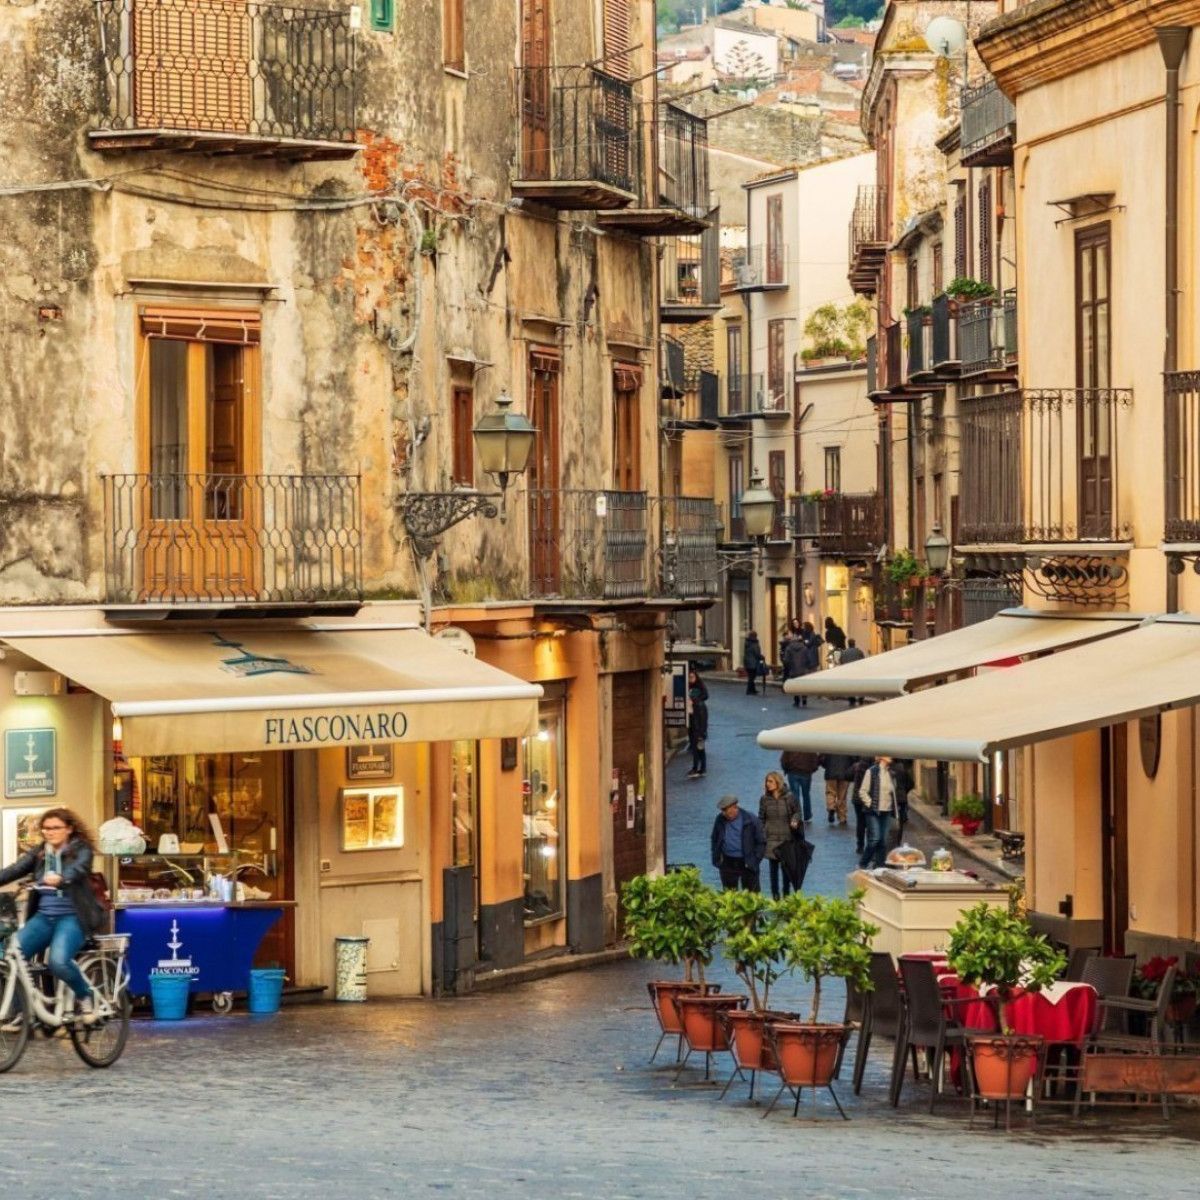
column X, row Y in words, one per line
column 738, row 846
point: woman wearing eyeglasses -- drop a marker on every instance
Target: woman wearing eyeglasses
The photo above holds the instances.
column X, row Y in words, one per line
column 63, row 911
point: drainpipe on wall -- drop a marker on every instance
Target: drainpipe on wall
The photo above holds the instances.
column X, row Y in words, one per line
column 1173, row 42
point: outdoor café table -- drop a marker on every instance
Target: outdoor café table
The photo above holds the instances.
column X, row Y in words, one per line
column 1062, row 1013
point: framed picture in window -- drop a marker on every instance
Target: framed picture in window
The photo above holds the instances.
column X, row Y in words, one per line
column 22, row 830
column 372, row 818
column 372, row 761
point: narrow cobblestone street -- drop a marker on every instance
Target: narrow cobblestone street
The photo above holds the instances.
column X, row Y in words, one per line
column 543, row 1089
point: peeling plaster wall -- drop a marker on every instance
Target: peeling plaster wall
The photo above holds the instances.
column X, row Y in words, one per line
column 340, row 393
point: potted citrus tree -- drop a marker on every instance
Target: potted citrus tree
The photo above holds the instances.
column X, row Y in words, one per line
column 966, row 812
column 995, row 950
column 823, row 937
column 673, row 918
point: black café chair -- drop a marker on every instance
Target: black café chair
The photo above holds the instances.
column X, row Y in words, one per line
column 927, row 1026
column 1112, row 978
column 882, row 1012
column 853, row 1018
column 1080, row 957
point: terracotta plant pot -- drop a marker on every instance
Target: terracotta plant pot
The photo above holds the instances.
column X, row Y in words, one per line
column 748, row 1031
column 807, row 1053
column 1180, row 1011
column 969, row 825
column 664, row 992
column 702, row 1026
column 1004, row 1066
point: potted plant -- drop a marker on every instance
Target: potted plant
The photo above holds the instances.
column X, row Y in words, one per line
column 1182, row 1005
column 672, row 918
column 903, row 568
column 996, row 949
column 966, row 812
column 823, row 937
column 754, row 944
column 963, row 290
column 836, row 333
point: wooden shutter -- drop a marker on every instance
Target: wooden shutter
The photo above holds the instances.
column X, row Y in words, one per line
column 985, row 230
column 960, row 235
column 192, row 64
column 616, row 39
column 776, row 388
column 462, row 409
column 774, row 262
column 453, row 39
column 938, row 269
column 203, row 324
column 777, row 482
column 627, row 465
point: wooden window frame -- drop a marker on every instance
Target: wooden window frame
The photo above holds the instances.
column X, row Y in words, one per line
column 777, row 363
column 775, row 266
column 454, row 40
column 462, row 446
column 1097, row 240
column 912, row 282
column 627, row 447
column 833, row 468
column 938, row 269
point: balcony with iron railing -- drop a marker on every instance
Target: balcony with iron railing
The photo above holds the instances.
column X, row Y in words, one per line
column 761, row 268
column 672, row 367
column 755, row 396
column 690, row 279
column 944, row 343
column 889, row 365
column 868, row 239
column 252, row 541
column 1042, row 467
column 689, row 528
column 989, row 126
column 700, row 405
column 846, row 525
column 673, row 186
column 1182, row 457
column 987, row 335
column 209, row 76
column 579, row 138
column 919, row 329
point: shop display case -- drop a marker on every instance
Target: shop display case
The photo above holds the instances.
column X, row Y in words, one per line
column 203, row 878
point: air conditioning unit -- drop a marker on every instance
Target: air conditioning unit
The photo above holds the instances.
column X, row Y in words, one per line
column 747, row 275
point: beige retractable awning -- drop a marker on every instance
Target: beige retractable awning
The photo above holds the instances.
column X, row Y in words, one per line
column 206, row 692
column 1015, row 633
column 1154, row 668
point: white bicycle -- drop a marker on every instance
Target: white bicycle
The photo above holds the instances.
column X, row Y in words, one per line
column 32, row 999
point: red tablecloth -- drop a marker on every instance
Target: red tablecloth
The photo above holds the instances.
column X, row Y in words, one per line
column 1064, row 1013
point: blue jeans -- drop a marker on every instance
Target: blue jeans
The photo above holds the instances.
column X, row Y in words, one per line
column 65, row 937
column 877, row 830
column 801, row 787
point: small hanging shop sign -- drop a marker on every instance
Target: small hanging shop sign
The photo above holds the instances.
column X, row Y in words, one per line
column 30, row 763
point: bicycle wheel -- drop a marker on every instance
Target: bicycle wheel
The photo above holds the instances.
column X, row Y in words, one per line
column 100, row 1045
column 14, row 1021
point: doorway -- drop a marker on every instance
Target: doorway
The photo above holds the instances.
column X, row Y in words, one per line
column 1093, row 407
column 779, row 613
column 1114, row 834
column 535, row 89
column 544, row 496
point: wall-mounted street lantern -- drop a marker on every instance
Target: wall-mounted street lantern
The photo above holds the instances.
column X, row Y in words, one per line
column 503, row 443
column 937, row 550
column 760, row 509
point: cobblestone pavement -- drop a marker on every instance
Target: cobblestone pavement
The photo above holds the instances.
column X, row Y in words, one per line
column 540, row 1090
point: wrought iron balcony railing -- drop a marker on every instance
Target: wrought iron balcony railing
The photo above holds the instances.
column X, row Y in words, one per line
column 989, row 126
column 689, row 527
column 683, row 161
column 578, row 138
column 891, row 373
column 1182, row 456
column 753, row 395
column 251, row 76
column 987, row 334
column 588, row 545
column 919, row 327
column 842, row 524
column 868, row 238
column 182, row 539
column 761, row 268
column 690, row 278
column 944, row 350
column 1042, row 466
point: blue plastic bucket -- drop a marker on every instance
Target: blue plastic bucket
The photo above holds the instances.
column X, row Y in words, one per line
column 169, row 995
column 266, row 989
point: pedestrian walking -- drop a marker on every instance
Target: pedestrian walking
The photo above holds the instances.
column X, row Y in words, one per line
column 738, row 846
column 839, row 771
column 794, row 656
column 780, row 817
column 753, row 662
column 884, row 796
column 698, row 732
column 853, row 653
column 798, row 767
column 812, row 647
column 860, row 814
column 835, row 635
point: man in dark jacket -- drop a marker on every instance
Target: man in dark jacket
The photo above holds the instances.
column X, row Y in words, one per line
column 852, row 653
column 794, row 656
column 835, row 635
column 752, row 662
column 738, row 846
column 798, row 767
column 839, row 771
column 698, row 733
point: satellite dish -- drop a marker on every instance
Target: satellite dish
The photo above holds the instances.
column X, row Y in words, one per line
column 945, row 36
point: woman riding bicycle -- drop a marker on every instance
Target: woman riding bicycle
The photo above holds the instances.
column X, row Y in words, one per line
column 63, row 911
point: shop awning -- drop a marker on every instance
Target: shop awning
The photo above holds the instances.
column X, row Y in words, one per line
column 1154, row 668
column 196, row 692
column 1014, row 633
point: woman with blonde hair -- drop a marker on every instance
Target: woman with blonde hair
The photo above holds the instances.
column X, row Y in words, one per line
column 780, row 817
column 63, row 911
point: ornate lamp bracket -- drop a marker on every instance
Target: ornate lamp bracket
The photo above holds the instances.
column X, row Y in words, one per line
column 427, row 515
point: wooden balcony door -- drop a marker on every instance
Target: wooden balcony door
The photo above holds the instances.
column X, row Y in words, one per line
column 774, row 257
column 545, row 497
column 198, row 445
column 1094, row 412
column 192, row 65
column 627, row 455
column 535, row 89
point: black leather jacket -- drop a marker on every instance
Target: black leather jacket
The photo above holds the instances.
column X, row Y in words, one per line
column 77, row 866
